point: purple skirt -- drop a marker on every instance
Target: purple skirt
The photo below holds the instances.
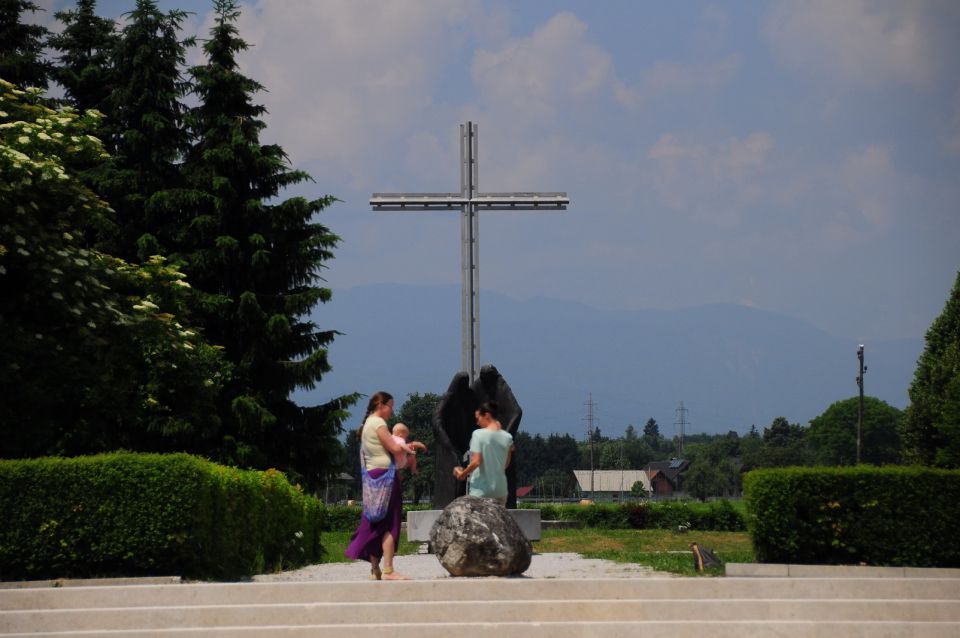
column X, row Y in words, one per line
column 367, row 541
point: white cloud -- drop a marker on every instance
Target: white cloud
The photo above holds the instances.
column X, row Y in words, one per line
column 863, row 42
column 711, row 183
column 667, row 78
column 667, row 147
column 534, row 75
column 748, row 154
column 344, row 76
column 873, row 182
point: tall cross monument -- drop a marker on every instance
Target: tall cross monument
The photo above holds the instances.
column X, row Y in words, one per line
column 469, row 201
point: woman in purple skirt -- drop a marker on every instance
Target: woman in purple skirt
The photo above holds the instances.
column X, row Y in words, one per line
column 373, row 541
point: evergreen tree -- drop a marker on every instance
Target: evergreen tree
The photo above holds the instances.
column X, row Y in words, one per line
column 651, row 435
column 21, row 46
column 146, row 133
column 931, row 428
column 256, row 267
column 783, row 444
column 85, row 45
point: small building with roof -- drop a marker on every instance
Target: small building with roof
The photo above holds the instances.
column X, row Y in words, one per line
column 666, row 476
column 611, row 484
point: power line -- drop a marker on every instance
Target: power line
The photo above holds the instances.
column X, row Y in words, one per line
column 682, row 423
column 863, row 369
column 590, row 433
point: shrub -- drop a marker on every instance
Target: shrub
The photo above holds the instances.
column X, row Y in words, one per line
column 142, row 514
column 878, row 516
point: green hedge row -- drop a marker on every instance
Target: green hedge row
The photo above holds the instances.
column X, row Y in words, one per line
column 151, row 514
column 717, row 515
column 903, row 516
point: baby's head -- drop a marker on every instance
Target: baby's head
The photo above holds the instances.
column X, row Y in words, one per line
column 399, row 429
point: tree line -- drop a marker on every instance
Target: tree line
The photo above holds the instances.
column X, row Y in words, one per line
column 157, row 286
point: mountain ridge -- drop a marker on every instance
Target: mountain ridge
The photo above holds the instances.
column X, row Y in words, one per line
column 732, row 366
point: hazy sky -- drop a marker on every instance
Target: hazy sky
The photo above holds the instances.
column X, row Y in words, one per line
column 800, row 157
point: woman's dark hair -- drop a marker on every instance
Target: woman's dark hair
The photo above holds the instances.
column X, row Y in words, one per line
column 488, row 407
column 378, row 399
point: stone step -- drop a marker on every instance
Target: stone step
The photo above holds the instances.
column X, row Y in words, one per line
column 578, row 629
column 528, row 608
column 481, row 589
column 472, row 612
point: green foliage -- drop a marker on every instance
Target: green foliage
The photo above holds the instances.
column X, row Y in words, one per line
column 140, row 514
column 547, row 463
column 94, row 357
column 931, row 427
column 254, row 262
column 417, row 413
column 877, row 516
column 720, row 515
column 712, row 471
column 85, row 46
column 146, row 134
column 21, row 46
column 782, row 444
column 832, row 436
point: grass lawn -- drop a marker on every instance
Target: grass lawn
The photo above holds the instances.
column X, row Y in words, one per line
column 663, row 550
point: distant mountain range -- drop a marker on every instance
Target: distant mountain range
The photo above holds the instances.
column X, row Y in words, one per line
column 731, row 366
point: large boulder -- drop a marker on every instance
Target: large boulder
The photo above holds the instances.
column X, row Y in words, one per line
column 478, row 537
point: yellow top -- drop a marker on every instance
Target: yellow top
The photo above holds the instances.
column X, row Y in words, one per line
column 373, row 450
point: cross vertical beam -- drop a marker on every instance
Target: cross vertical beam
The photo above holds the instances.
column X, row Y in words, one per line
column 469, row 253
column 469, row 201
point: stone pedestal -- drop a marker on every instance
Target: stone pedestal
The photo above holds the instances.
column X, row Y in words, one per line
column 420, row 523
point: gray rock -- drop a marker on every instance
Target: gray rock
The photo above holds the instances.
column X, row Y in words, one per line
column 477, row 537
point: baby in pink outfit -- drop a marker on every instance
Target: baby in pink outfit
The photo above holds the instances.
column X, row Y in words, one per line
column 404, row 459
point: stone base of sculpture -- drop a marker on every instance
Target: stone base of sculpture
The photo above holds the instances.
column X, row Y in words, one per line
column 477, row 537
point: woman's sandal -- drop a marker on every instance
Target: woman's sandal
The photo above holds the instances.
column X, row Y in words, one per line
column 375, row 573
column 389, row 574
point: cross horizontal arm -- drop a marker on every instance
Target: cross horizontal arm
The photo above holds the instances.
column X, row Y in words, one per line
column 485, row 201
column 521, row 201
column 417, row 201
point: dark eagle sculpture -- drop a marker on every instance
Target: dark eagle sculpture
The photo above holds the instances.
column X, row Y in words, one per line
column 454, row 421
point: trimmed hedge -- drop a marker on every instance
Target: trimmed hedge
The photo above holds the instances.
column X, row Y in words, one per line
column 151, row 514
column 716, row 515
column 901, row 516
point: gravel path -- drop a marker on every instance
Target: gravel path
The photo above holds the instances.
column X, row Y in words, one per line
column 427, row 567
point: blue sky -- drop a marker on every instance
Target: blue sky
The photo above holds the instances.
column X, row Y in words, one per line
column 799, row 157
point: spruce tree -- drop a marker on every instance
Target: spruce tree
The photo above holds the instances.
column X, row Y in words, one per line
column 255, row 263
column 85, row 45
column 146, row 132
column 931, row 429
column 21, row 46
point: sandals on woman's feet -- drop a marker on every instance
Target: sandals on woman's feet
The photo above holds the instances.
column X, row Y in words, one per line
column 375, row 573
column 389, row 574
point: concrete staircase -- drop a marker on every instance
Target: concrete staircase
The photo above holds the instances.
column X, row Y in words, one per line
column 727, row 607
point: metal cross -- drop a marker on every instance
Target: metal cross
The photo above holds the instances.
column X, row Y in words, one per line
column 469, row 201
